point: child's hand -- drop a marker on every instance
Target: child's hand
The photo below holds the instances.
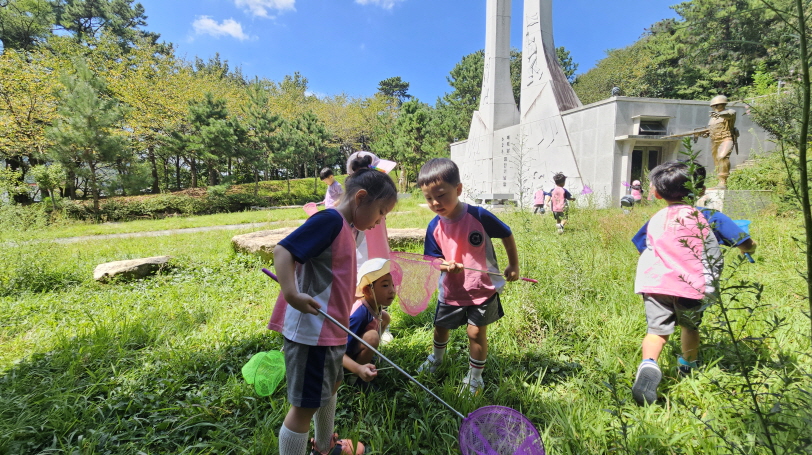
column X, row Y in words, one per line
column 367, row 372
column 303, row 303
column 453, row 267
column 511, row 273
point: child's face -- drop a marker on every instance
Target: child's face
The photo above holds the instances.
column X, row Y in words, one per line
column 329, row 180
column 382, row 291
column 369, row 214
column 443, row 198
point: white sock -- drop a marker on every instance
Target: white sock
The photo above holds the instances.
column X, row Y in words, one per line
column 324, row 424
column 439, row 351
column 476, row 367
column 291, row 443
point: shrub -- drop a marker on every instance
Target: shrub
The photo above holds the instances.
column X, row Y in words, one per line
column 767, row 173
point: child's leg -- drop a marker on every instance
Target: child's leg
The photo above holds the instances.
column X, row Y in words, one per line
column 653, row 346
column 441, row 335
column 478, row 345
column 690, row 343
column 365, row 354
column 294, row 431
column 324, row 421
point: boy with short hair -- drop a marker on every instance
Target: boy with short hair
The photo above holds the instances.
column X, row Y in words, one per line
column 674, row 273
column 558, row 201
column 334, row 190
column 368, row 319
column 724, row 229
column 461, row 235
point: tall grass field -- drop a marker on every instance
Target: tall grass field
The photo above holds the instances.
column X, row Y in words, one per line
column 153, row 366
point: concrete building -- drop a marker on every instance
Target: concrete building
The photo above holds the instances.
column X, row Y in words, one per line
column 510, row 153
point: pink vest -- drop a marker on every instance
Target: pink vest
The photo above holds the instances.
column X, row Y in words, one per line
column 677, row 261
column 330, row 279
column 558, row 199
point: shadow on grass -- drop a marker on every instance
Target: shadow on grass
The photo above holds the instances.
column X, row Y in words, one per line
column 124, row 391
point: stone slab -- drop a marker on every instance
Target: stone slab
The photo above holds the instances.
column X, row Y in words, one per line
column 737, row 204
column 262, row 243
column 129, row 269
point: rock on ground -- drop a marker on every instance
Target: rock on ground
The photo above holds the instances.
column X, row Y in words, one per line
column 130, row 269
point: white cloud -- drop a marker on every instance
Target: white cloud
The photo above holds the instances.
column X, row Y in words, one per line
column 205, row 25
column 260, row 7
column 385, row 4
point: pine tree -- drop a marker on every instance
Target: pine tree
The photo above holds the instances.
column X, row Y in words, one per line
column 85, row 133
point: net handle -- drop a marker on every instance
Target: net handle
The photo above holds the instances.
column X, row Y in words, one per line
column 497, row 274
column 361, row 340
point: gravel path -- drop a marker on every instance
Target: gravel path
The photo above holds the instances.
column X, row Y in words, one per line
column 227, row 227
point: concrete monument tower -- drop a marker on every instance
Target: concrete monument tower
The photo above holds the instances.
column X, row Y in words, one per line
column 508, row 154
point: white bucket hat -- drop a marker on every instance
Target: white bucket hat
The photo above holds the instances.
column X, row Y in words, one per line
column 370, row 271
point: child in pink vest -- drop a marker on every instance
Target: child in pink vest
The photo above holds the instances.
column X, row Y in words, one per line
column 558, row 201
column 675, row 271
column 317, row 270
column 461, row 235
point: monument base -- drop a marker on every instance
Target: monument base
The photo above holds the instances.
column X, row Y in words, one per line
column 737, row 204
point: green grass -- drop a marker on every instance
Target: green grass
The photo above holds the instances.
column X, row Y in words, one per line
column 154, row 366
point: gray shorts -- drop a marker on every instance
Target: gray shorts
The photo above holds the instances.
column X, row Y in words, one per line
column 664, row 312
column 450, row 316
column 311, row 373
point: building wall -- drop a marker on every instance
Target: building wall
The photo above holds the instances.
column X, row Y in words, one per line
column 603, row 139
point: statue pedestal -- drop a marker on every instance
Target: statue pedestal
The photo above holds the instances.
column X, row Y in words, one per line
column 737, row 204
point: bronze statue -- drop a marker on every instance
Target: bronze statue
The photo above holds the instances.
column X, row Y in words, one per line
column 723, row 135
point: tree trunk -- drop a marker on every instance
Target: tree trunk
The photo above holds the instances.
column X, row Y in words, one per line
column 156, row 187
column 94, row 189
column 193, row 170
column 70, row 183
column 177, row 172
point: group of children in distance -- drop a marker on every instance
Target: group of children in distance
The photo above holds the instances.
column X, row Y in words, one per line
column 317, row 266
column 557, row 198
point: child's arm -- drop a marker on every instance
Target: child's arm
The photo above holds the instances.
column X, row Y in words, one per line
column 365, row 372
column 285, row 271
column 512, row 270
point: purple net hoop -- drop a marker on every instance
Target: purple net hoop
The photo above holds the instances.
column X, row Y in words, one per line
column 415, row 277
column 586, row 190
column 498, row 430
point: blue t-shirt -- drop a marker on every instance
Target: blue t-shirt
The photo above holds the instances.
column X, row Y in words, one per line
column 360, row 319
column 724, row 228
column 314, row 236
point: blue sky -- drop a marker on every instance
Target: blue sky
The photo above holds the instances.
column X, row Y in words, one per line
column 350, row 45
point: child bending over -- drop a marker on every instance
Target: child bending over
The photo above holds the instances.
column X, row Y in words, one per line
column 316, row 269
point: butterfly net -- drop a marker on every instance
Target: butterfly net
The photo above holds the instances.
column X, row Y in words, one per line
column 310, row 208
column 498, row 430
column 415, row 277
column 265, row 371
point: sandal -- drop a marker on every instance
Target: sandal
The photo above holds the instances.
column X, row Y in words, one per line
column 339, row 447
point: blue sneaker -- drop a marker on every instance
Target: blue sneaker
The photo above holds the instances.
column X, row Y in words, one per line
column 685, row 367
column 646, row 382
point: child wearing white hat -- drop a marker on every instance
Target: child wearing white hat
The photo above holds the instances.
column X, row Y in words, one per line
column 368, row 319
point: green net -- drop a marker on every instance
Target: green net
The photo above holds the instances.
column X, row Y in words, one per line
column 265, row 371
